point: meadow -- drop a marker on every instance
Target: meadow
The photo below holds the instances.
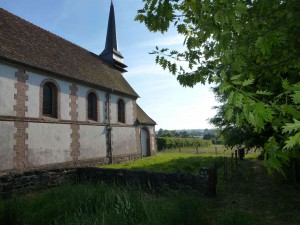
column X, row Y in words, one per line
column 247, row 196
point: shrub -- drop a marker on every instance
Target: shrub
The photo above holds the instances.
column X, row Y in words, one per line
column 171, row 143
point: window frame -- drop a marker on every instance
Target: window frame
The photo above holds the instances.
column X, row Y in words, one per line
column 53, row 103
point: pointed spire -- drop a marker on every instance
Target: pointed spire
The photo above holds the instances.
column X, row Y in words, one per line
column 111, row 53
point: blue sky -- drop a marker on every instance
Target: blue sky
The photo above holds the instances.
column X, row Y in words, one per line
column 85, row 22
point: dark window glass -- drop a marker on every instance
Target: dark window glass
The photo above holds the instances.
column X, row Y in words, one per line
column 50, row 100
column 92, row 106
column 121, row 111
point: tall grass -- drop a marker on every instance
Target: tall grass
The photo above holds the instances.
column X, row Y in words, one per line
column 248, row 197
column 93, row 204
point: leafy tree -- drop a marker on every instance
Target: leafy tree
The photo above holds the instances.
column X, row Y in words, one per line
column 184, row 134
column 250, row 50
column 208, row 136
column 160, row 132
column 196, row 133
column 176, row 134
column 166, row 134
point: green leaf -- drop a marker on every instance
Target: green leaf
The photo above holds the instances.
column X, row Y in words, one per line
column 292, row 141
column 286, row 85
column 296, row 97
column 275, row 158
column 229, row 113
column 263, row 45
column 239, row 119
column 224, row 87
column 248, row 82
column 240, row 8
column 260, row 92
column 291, row 127
column 237, row 100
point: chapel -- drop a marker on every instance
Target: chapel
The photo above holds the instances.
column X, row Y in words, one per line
column 62, row 105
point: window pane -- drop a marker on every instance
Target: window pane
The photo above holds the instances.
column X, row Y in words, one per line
column 92, row 106
column 47, row 99
column 121, row 111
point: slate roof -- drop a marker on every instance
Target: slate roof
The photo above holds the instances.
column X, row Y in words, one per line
column 143, row 118
column 25, row 43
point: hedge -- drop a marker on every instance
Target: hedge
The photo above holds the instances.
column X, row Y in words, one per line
column 172, row 143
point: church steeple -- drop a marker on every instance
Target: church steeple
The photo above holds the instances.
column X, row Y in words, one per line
column 111, row 53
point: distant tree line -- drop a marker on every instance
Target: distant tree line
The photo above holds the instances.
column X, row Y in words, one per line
column 206, row 134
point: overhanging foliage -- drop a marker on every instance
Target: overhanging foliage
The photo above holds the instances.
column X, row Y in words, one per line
column 251, row 50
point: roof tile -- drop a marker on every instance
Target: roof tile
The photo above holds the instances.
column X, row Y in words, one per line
column 143, row 118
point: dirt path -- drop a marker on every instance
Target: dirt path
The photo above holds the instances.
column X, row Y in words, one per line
column 251, row 189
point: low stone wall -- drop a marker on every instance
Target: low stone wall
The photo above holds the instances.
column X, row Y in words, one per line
column 125, row 158
column 145, row 179
column 26, row 182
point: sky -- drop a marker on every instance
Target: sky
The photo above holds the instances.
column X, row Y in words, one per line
column 85, row 23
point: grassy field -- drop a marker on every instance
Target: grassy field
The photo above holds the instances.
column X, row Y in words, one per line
column 210, row 150
column 170, row 162
column 248, row 196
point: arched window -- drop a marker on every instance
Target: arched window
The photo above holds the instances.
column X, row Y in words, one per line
column 50, row 100
column 121, row 111
column 92, row 106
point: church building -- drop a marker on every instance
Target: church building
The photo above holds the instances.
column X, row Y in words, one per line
column 61, row 105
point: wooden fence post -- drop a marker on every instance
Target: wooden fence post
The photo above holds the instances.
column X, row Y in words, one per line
column 212, row 181
column 236, row 158
column 231, row 162
column 225, row 167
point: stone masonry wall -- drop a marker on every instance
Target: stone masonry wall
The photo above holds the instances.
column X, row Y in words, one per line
column 22, row 183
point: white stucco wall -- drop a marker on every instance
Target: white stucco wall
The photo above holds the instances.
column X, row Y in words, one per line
column 33, row 104
column 151, row 130
column 64, row 100
column 124, row 140
column 7, row 90
column 48, row 143
column 82, row 104
column 7, row 131
column 102, row 105
column 92, row 142
column 129, row 114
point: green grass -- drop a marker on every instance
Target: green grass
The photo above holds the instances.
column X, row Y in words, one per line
column 89, row 204
column 248, row 196
column 170, row 162
column 219, row 150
